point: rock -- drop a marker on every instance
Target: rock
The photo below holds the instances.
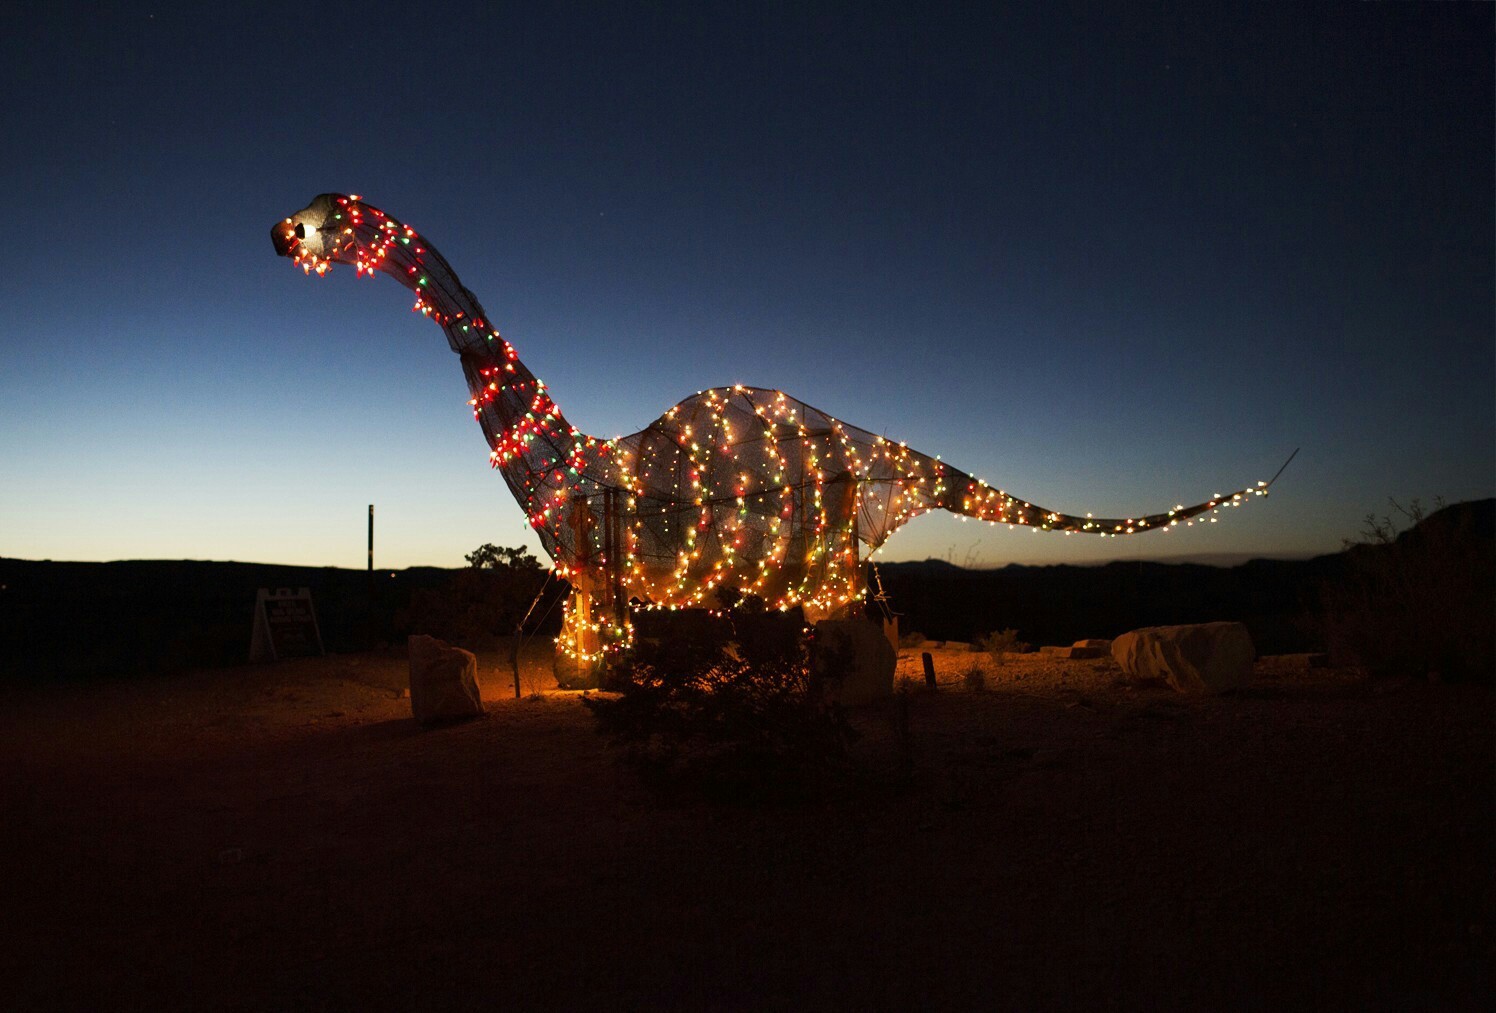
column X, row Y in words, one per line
column 443, row 681
column 1078, row 651
column 891, row 631
column 1205, row 658
column 1101, row 645
column 853, row 660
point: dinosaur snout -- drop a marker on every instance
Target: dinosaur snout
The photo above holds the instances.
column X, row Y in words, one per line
column 283, row 236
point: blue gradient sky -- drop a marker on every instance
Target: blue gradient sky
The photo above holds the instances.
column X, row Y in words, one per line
column 1108, row 257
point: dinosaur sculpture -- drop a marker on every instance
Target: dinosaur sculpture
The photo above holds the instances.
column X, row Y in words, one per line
column 736, row 487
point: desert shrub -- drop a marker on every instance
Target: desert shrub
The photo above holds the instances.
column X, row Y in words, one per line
column 739, row 720
column 1419, row 601
column 974, row 679
column 999, row 643
column 911, row 639
column 478, row 603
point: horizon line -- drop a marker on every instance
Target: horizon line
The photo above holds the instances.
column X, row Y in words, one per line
column 1221, row 559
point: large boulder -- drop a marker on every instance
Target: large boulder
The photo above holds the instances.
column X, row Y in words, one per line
column 443, row 681
column 853, row 660
column 1204, row 658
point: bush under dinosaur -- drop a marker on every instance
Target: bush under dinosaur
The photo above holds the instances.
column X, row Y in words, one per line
column 730, row 709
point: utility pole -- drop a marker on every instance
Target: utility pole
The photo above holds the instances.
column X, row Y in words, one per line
column 371, row 538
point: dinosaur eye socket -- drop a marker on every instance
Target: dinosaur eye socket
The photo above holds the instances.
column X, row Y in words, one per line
column 300, row 230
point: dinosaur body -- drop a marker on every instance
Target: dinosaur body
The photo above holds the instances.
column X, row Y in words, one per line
column 736, row 487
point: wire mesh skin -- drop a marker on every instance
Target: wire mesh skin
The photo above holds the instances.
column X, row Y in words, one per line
column 735, row 487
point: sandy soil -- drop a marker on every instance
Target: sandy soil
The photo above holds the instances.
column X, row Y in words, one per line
column 286, row 837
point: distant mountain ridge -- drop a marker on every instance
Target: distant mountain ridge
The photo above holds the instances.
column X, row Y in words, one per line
column 1061, row 603
column 66, row 618
column 1224, row 559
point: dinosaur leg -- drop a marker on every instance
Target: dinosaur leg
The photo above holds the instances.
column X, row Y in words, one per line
column 595, row 632
column 579, row 648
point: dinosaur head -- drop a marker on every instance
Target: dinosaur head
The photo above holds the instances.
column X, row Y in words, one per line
column 340, row 228
column 315, row 237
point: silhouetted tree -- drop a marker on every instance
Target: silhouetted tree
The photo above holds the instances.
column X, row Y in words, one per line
column 481, row 602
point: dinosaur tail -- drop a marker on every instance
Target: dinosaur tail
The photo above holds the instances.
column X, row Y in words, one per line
column 974, row 498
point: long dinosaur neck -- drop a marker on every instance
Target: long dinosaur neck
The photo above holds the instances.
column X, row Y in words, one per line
column 529, row 440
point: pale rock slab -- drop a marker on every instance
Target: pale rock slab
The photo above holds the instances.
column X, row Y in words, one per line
column 854, row 661
column 443, row 681
column 1203, row 658
column 1077, row 651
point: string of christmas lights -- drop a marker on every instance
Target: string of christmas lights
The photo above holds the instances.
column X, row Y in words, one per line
column 735, row 487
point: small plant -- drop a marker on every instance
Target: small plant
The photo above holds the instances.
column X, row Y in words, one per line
column 974, row 679
column 999, row 644
column 911, row 639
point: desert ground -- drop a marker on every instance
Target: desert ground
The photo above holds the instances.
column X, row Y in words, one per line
column 286, row 837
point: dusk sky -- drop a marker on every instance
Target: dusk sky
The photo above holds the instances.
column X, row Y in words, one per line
column 1109, row 257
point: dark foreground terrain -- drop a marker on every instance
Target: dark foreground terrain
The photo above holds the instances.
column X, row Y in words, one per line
column 285, row 837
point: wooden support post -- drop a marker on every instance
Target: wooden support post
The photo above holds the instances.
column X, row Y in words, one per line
column 855, row 584
column 613, row 548
column 929, row 663
column 370, row 579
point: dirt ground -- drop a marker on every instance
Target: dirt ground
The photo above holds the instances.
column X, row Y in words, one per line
column 286, row 837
